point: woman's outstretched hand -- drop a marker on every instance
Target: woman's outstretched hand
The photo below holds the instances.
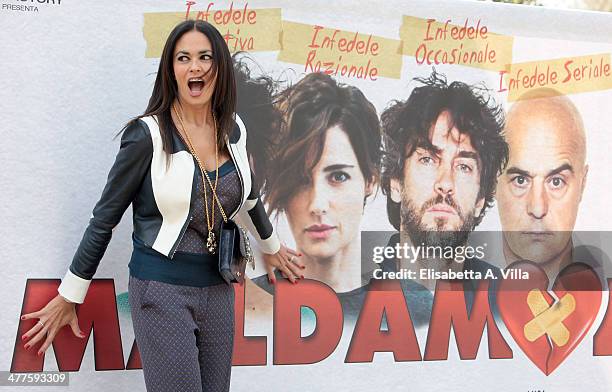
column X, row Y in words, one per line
column 287, row 262
column 57, row 313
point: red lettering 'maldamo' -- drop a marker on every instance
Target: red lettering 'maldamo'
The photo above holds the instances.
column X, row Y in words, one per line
column 290, row 348
column 248, row 350
column 385, row 297
column 449, row 309
column 97, row 313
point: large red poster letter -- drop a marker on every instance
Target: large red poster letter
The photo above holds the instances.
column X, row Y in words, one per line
column 98, row 312
column 248, row 350
column 290, row 348
column 449, row 308
column 384, row 297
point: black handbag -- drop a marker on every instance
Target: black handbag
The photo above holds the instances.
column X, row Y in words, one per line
column 234, row 252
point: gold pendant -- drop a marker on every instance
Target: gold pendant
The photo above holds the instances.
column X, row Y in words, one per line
column 211, row 245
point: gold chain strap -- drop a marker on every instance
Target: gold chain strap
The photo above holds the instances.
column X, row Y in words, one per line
column 202, row 168
column 210, row 221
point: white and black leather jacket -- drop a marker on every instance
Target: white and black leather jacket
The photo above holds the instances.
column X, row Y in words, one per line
column 161, row 194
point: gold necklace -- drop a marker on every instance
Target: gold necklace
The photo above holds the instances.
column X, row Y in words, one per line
column 211, row 243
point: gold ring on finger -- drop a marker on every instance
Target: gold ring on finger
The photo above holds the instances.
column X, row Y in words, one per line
column 41, row 323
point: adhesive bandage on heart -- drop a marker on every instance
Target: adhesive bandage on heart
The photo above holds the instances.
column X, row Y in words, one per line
column 549, row 319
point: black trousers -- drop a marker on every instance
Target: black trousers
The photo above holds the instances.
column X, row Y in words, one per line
column 184, row 334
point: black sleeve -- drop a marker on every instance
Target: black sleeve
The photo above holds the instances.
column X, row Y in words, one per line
column 125, row 176
column 254, row 217
column 258, row 213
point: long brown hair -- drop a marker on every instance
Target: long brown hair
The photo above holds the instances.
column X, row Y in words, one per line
column 165, row 89
column 255, row 105
column 310, row 107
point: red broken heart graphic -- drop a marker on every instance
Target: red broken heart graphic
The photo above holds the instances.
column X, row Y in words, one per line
column 579, row 280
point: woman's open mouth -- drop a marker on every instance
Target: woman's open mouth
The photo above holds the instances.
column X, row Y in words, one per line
column 196, row 86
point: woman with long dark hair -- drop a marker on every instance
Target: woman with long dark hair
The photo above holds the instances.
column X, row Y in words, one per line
column 326, row 166
column 184, row 168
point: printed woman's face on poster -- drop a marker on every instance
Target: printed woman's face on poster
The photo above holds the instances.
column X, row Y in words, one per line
column 325, row 166
column 325, row 215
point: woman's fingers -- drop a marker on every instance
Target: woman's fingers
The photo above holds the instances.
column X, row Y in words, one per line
column 284, row 269
column 37, row 337
column 270, row 272
column 294, row 267
column 48, row 341
column 281, row 263
column 32, row 315
column 76, row 330
column 296, row 261
column 293, row 252
column 56, row 314
column 293, row 257
column 287, row 262
column 37, row 327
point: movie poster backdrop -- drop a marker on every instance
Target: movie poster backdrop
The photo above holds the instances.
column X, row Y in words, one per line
column 443, row 167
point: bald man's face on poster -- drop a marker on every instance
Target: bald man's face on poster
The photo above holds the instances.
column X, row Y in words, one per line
column 539, row 192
